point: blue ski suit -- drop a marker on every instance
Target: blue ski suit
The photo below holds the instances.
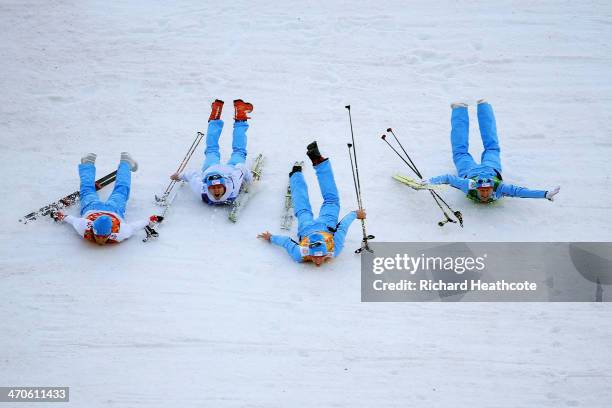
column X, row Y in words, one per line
column 327, row 222
column 490, row 162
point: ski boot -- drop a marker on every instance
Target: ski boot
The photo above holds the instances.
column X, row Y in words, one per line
column 312, row 151
column 125, row 156
column 456, row 105
column 215, row 110
column 241, row 109
column 89, row 158
column 297, row 168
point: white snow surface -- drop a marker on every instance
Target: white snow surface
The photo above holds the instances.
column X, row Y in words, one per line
column 209, row 316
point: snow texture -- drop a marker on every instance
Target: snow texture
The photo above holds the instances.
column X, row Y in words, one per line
column 210, row 316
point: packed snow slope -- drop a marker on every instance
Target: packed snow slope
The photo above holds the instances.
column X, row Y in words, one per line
column 208, row 315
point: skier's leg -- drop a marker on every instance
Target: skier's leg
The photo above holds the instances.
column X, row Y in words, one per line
column 211, row 153
column 239, row 142
column 301, row 203
column 460, row 127
column 87, row 191
column 121, row 192
column 488, row 133
column 330, row 209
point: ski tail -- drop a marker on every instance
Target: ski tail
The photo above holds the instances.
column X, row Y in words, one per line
column 412, row 183
column 247, row 190
column 288, row 217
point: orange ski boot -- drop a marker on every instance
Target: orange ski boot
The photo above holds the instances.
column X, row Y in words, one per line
column 215, row 111
column 242, row 108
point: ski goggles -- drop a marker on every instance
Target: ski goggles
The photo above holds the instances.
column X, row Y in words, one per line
column 317, row 248
column 484, row 183
column 215, row 179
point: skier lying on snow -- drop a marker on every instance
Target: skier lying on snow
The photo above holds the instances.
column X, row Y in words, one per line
column 481, row 182
column 217, row 183
column 103, row 222
column 323, row 238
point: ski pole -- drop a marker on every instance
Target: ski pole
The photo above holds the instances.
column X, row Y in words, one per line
column 181, row 166
column 384, row 137
column 190, row 151
column 167, row 190
column 366, row 237
column 354, row 178
column 404, row 150
column 355, row 170
column 348, row 107
column 435, row 195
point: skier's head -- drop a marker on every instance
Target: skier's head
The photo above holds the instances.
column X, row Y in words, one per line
column 216, row 186
column 102, row 227
column 317, row 250
column 217, row 191
column 484, row 189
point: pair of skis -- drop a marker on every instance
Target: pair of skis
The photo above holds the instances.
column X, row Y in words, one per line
column 69, row 200
column 450, row 215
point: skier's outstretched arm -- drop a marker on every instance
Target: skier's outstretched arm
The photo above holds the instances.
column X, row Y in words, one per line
column 463, row 184
column 342, row 230
column 521, row 192
column 127, row 230
column 79, row 224
column 193, row 178
column 292, row 248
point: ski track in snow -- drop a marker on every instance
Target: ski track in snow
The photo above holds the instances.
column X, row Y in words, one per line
column 210, row 316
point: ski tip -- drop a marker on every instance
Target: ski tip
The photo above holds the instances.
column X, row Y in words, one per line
column 348, row 107
column 389, row 130
column 349, row 145
column 383, row 136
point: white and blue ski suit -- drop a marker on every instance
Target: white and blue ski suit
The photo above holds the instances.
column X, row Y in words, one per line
column 489, row 169
column 92, row 207
column 233, row 174
column 327, row 222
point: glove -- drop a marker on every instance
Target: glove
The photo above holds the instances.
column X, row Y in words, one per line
column 156, row 218
column 58, row 216
column 550, row 194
